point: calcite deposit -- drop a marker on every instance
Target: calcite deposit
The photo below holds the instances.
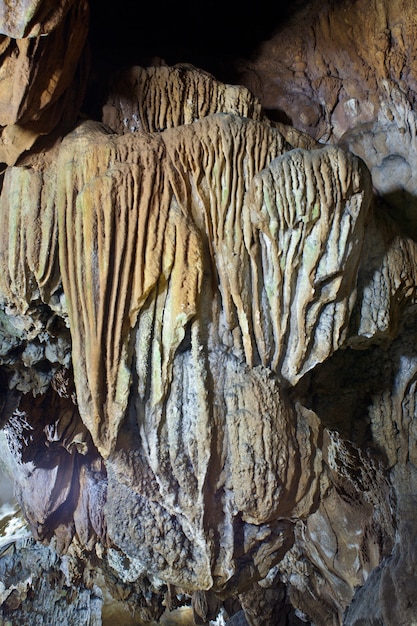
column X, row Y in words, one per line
column 207, row 332
column 345, row 73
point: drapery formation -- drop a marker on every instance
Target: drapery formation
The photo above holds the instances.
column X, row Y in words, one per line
column 184, row 286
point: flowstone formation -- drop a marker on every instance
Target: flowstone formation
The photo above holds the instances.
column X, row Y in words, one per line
column 206, row 333
column 345, row 73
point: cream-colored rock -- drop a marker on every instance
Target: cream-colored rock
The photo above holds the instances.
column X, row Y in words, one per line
column 160, row 97
column 307, row 211
column 137, row 229
column 200, row 197
column 213, row 272
column 28, row 247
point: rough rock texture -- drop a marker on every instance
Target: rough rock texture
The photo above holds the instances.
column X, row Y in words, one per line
column 40, row 80
column 345, row 73
column 34, row 589
column 207, row 332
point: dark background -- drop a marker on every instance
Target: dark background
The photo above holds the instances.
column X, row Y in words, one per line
column 211, row 35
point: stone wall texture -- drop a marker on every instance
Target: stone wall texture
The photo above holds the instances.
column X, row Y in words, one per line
column 208, row 342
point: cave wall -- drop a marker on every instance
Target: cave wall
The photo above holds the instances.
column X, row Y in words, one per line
column 207, row 318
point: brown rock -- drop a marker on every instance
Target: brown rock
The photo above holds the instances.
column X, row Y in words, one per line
column 239, row 423
column 42, row 95
column 345, row 73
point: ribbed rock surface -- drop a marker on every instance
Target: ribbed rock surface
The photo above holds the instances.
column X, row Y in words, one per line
column 131, row 256
column 156, row 98
column 183, row 321
column 345, row 73
column 207, row 336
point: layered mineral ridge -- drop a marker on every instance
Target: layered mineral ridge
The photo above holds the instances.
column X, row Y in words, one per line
column 208, row 341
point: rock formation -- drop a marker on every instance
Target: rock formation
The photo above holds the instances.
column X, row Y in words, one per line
column 345, row 73
column 207, row 335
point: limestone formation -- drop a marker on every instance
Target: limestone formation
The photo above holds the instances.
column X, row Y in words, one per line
column 27, row 568
column 363, row 97
column 40, row 80
column 207, row 343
